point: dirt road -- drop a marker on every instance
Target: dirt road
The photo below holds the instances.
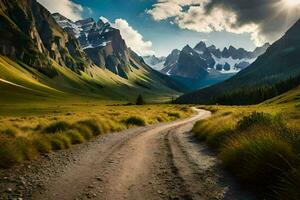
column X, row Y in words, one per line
column 155, row 162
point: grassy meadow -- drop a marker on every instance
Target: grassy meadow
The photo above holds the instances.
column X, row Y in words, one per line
column 259, row 145
column 26, row 131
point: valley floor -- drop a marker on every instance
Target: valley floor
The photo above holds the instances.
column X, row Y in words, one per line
column 160, row 161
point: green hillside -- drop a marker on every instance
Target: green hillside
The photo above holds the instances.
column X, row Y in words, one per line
column 21, row 83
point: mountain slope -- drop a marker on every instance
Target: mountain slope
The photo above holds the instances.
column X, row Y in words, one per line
column 29, row 33
column 22, row 83
column 280, row 62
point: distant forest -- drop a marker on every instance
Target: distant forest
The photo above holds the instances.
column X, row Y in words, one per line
column 250, row 96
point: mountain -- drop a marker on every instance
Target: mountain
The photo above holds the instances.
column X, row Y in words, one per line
column 156, row 63
column 45, row 56
column 203, row 65
column 278, row 63
column 29, row 33
column 229, row 60
column 171, row 61
column 189, row 65
column 101, row 42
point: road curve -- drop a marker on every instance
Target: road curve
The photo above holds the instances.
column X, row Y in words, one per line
column 156, row 162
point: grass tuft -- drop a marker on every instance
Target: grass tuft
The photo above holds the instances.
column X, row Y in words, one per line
column 258, row 118
column 135, row 121
column 11, row 132
column 92, row 125
column 10, row 153
column 75, row 137
column 42, row 145
column 56, row 127
column 259, row 160
column 83, row 130
column 57, row 143
column 289, row 186
column 175, row 115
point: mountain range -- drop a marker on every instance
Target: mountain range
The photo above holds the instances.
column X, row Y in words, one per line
column 208, row 57
column 50, row 54
column 280, row 62
column 156, row 63
column 204, row 65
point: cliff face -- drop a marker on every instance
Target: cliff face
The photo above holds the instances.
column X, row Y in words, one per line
column 30, row 34
column 102, row 43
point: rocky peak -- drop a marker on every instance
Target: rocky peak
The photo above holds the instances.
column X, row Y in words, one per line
column 260, row 50
column 212, row 47
column 231, row 49
column 188, row 49
column 201, row 46
column 175, row 52
column 225, row 53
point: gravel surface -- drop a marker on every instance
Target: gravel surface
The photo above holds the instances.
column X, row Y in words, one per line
column 160, row 161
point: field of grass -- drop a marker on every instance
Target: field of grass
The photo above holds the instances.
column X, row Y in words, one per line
column 258, row 144
column 26, row 131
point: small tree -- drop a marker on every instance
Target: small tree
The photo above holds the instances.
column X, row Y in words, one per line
column 140, row 100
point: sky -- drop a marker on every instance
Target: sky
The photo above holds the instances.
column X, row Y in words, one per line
column 159, row 26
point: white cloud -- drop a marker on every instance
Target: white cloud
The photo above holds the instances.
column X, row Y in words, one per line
column 133, row 38
column 67, row 8
column 231, row 16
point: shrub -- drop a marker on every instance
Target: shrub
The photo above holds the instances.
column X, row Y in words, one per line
column 56, row 127
column 111, row 126
column 11, row 132
column 75, row 137
column 140, row 100
column 92, row 125
column 26, row 147
column 84, row 131
column 65, row 139
column 160, row 119
column 10, row 154
column 289, row 186
column 57, row 144
column 42, row 145
column 135, row 121
column 185, row 109
column 258, row 159
column 217, row 139
column 174, row 114
column 200, row 130
column 257, row 118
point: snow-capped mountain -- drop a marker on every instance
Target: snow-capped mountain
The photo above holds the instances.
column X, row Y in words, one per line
column 101, row 42
column 209, row 60
column 156, row 63
column 89, row 32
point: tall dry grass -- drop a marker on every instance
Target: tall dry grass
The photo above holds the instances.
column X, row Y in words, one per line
column 259, row 149
column 26, row 136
